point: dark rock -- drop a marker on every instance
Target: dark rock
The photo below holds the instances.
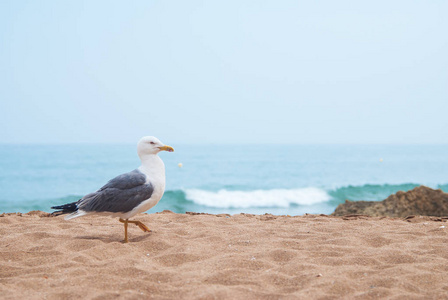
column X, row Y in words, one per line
column 421, row 200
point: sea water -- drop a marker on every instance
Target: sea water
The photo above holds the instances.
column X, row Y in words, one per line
column 277, row 179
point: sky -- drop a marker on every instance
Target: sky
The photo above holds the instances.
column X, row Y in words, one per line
column 230, row 72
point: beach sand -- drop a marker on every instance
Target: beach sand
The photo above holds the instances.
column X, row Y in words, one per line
column 191, row 256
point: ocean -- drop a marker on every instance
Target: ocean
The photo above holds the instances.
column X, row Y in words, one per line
column 258, row 179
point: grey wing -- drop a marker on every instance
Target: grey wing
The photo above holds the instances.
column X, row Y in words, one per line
column 126, row 180
column 121, row 194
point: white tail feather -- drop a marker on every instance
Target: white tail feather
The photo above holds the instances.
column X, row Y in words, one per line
column 78, row 213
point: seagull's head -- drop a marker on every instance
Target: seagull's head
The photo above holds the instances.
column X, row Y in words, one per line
column 151, row 145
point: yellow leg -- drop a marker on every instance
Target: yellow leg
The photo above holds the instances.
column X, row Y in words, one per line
column 125, row 229
column 137, row 223
column 141, row 226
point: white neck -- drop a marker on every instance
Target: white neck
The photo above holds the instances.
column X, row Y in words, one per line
column 154, row 168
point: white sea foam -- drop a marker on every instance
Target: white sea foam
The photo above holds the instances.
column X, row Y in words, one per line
column 257, row 198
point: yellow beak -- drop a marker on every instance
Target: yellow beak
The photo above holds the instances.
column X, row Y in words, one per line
column 167, row 148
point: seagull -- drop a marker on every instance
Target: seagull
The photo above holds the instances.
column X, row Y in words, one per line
column 127, row 194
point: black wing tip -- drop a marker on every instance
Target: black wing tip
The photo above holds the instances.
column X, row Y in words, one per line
column 57, row 213
column 66, row 208
column 57, row 207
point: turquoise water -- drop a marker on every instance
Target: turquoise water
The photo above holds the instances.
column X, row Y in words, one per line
column 285, row 179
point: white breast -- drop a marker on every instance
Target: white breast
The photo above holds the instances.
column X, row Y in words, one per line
column 154, row 170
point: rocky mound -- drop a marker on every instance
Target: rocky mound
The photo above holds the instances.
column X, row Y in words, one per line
column 421, row 200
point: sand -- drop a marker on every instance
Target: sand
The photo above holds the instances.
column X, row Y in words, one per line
column 189, row 256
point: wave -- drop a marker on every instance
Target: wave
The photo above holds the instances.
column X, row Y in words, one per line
column 257, row 198
column 283, row 198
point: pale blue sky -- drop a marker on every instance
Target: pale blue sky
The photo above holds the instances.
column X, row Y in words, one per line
column 224, row 71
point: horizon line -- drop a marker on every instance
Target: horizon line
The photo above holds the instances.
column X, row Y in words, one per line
column 223, row 144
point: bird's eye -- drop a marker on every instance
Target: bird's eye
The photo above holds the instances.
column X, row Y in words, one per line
column 152, row 143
